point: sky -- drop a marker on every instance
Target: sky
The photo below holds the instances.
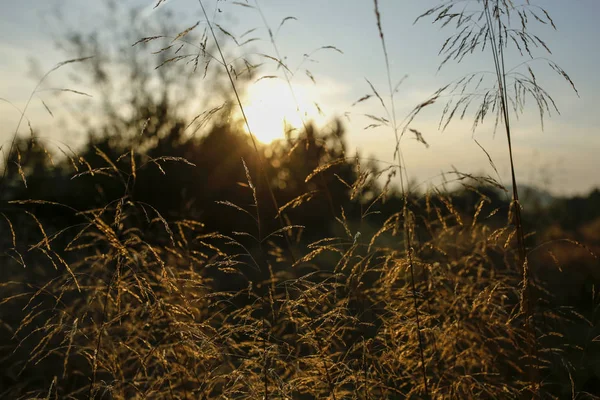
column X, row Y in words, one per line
column 562, row 158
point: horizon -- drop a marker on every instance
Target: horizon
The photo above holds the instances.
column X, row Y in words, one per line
column 560, row 160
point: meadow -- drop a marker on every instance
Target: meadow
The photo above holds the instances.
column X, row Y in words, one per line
column 186, row 257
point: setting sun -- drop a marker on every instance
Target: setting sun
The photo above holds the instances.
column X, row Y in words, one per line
column 271, row 107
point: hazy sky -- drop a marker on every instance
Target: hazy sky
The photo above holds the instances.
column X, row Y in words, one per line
column 565, row 152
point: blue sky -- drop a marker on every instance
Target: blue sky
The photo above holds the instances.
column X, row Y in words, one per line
column 565, row 152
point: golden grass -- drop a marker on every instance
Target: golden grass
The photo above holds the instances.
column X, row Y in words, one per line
column 433, row 303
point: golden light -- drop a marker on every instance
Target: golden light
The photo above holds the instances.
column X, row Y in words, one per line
column 271, row 107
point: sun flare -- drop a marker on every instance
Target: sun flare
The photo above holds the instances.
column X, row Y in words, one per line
column 271, row 108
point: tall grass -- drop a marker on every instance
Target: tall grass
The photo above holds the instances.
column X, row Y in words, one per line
column 489, row 24
column 427, row 300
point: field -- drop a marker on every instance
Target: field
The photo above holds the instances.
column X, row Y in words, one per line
column 178, row 255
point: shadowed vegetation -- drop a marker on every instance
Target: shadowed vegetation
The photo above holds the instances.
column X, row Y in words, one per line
column 173, row 255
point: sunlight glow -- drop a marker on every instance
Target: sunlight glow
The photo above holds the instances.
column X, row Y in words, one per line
column 270, row 108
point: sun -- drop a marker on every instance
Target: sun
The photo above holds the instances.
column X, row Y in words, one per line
column 270, row 108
